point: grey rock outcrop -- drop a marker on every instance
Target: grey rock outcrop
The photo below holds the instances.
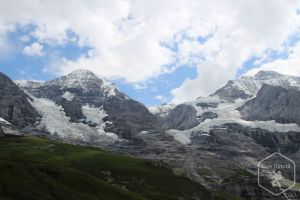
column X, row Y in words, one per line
column 14, row 104
column 273, row 103
column 129, row 117
column 1, row 132
column 182, row 117
column 230, row 92
column 207, row 115
column 206, row 105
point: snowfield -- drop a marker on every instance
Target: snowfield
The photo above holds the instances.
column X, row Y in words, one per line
column 57, row 123
column 227, row 113
column 93, row 114
column 96, row 115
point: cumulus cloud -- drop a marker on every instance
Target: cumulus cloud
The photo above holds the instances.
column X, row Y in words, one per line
column 161, row 98
column 35, row 49
column 5, row 45
column 138, row 40
column 249, row 28
column 288, row 66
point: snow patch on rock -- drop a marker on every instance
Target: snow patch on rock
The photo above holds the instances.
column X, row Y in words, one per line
column 96, row 115
column 3, row 121
column 68, row 96
column 93, row 114
column 109, row 88
column 144, row 132
column 162, row 110
column 181, row 136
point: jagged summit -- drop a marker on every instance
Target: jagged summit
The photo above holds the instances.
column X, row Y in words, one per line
column 82, row 75
column 268, row 75
column 85, row 80
column 248, row 86
column 81, row 79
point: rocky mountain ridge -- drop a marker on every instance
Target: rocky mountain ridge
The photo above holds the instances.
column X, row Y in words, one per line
column 248, row 86
column 14, row 104
column 92, row 104
column 209, row 140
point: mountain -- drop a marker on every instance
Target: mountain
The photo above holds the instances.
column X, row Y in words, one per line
column 182, row 117
column 273, row 103
column 15, row 105
column 236, row 127
column 248, row 86
column 87, row 82
column 216, row 141
column 82, row 106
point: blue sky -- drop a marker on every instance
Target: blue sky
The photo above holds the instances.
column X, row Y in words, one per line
column 20, row 66
column 154, row 52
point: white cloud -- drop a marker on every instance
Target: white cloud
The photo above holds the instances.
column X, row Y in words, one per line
column 5, row 45
column 161, row 98
column 249, row 28
column 288, row 66
column 35, row 49
column 126, row 36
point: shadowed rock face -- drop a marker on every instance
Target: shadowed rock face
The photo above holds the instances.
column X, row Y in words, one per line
column 182, row 117
column 1, row 131
column 230, row 92
column 14, row 104
column 273, row 103
column 127, row 117
column 206, row 105
column 207, row 115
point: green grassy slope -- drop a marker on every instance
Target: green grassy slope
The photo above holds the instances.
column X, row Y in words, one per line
column 34, row 168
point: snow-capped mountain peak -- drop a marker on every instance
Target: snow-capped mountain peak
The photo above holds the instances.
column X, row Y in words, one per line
column 264, row 75
column 82, row 79
column 85, row 80
column 248, row 86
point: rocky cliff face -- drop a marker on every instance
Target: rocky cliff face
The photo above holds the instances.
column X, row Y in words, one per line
column 14, row 104
column 182, row 117
column 248, row 86
column 1, row 132
column 86, row 98
column 231, row 92
column 273, row 103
